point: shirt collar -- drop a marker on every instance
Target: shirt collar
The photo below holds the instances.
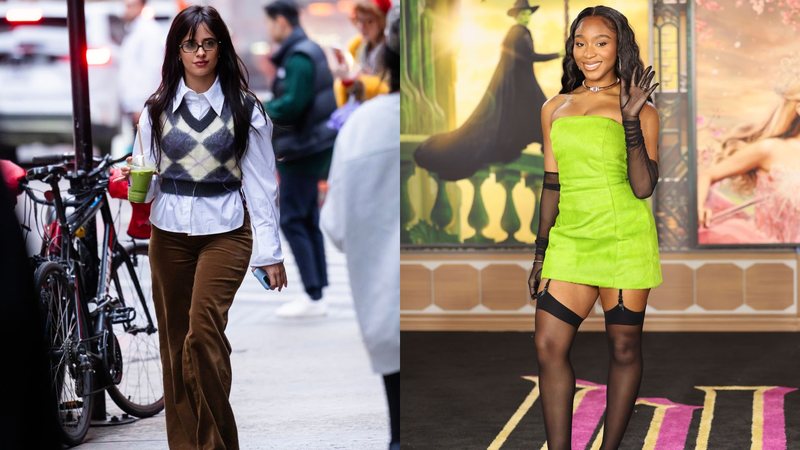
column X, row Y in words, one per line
column 213, row 95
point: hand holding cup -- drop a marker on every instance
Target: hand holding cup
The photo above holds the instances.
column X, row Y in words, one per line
column 140, row 173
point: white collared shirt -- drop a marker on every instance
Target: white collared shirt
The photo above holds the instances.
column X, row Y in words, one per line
column 219, row 214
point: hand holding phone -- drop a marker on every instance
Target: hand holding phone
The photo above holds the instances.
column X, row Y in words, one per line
column 338, row 53
column 262, row 277
column 271, row 276
column 342, row 68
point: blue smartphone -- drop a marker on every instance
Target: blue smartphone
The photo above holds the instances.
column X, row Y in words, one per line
column 262, row 278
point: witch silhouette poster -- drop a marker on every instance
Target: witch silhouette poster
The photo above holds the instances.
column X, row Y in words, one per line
column 475, row 76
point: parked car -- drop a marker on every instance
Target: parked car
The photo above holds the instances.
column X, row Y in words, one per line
column 35, row 83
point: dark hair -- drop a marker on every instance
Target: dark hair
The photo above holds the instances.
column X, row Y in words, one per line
column 285, row 8
column 627, row 50
column 391, row 61
column 231, row 71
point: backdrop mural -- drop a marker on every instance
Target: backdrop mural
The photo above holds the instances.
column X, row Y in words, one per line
column 475, row 74
column 748, row 122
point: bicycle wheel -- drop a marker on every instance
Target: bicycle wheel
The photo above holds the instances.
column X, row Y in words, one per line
column 70, row 369
column 137, row 384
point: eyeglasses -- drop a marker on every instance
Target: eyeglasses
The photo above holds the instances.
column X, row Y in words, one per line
column 192, row 46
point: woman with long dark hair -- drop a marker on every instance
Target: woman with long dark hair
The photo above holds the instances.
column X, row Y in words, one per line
column 600, row 160
column 215, row 200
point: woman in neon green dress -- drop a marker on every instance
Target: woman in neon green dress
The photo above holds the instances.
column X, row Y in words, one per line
column 596, row 227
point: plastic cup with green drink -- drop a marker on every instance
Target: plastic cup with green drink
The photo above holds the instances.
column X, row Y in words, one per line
column 141, row 174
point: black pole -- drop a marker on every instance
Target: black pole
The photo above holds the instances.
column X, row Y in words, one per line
column 82, row 132
column 81, row 118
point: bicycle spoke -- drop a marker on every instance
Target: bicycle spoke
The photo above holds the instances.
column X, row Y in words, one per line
column 61, row 328
column 141, row 386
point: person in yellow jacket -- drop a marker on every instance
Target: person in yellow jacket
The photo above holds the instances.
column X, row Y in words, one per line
column 365, row 79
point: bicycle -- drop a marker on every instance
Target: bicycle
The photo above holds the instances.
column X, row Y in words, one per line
column 98, row 314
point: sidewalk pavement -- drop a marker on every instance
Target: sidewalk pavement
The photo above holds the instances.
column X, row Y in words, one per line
column 297, row 384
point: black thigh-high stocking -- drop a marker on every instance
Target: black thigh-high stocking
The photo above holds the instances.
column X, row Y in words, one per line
column 553, row 337
column 624, row 377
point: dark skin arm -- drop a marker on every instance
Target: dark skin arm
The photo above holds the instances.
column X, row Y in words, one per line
column 640, row 121
column 548, row 196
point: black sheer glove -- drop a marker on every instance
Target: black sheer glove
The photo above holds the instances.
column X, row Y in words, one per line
column 632, row 98
column 548, row 210
column 535, row 277
column 642, row 171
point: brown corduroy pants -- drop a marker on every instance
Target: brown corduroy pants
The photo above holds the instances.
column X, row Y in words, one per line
column 194, row 281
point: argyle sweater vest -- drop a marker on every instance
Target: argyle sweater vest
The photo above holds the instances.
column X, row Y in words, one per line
column 198, row 154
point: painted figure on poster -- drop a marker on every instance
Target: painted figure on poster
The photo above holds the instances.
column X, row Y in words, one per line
column 507, row 118
column 762, row 161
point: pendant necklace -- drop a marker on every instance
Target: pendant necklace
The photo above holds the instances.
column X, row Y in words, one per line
column 598, row 88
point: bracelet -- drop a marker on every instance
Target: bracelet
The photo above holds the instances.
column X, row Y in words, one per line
column 539, row 261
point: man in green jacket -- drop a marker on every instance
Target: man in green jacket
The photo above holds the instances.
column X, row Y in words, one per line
column 303, row 101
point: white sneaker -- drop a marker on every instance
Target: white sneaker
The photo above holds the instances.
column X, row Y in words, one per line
column 302, row 308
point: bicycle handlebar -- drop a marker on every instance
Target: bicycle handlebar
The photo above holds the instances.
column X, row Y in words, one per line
column 40, row 173
column 61, row 158
column 62, row 169
column 105, row 162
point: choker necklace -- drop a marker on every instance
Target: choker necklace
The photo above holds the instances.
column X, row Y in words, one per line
column 598, row 88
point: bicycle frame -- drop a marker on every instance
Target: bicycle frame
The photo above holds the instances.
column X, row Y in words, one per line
column 91, row 295
column 87, row 204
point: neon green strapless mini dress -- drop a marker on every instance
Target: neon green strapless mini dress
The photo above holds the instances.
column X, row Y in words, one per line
column 603, row 236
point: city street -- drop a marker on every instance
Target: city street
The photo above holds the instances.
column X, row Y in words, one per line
column 302, row 384
column 297, row 384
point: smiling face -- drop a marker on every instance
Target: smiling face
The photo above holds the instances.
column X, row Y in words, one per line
column 595, row 51
column 200, row 65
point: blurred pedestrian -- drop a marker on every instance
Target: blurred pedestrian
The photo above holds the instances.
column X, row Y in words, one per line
column 364, row 80
column 303, row 101
column 140, row 58
column 361, row 215
column 215, row 201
